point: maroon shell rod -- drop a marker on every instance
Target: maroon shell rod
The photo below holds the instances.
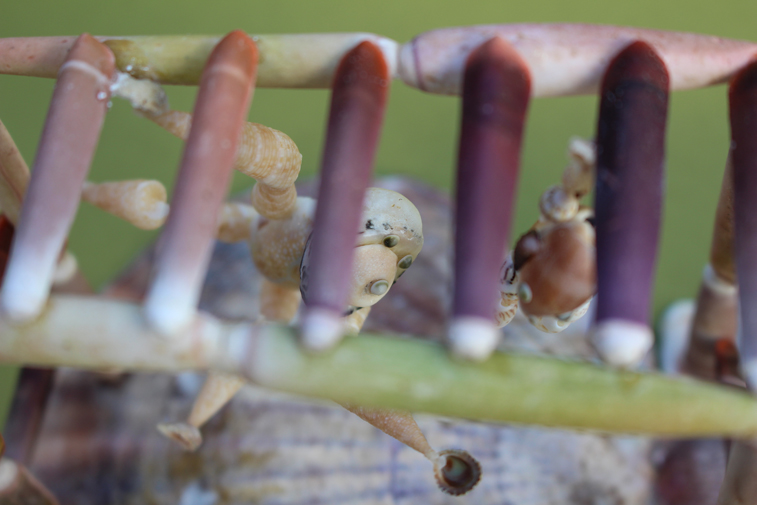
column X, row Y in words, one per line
column 743, row 113
column 358, row 100
column 628, row 201
column 223, row 100
column 496, row 89
column 68, row 143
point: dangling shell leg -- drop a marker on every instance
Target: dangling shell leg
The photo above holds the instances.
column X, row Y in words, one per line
column 68, row 142
column 278, row 303
column 456, row 471
column 358, row 100
column 496, row 88
column 629, row 190
column 216, row 392
column 222, row 103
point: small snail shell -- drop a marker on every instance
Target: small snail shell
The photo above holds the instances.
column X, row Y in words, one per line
column 557, row 205
column 373, row 272
column 561, row 274
column 392, row 220
column 277, row 245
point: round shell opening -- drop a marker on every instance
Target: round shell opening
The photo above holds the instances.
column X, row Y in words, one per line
column 456, row 472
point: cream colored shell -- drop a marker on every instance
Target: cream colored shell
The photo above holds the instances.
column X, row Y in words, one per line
column 387, row 213
column 140, row 202
column 277, row 245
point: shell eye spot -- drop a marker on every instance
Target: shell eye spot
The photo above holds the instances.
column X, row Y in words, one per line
column 391, row 241
column 405, row 262
column 379, row 287
column 524, row 293
column 369, row 225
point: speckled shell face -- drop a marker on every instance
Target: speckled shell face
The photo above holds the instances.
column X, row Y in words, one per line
column 388, row 241
column 560, row 275
column 277, row 245
column 388, row 214
column 373, row 275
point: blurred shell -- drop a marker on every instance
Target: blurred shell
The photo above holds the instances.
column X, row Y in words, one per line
column 140, row 202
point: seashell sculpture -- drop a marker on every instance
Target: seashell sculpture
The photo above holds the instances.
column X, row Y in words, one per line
column 311, row 251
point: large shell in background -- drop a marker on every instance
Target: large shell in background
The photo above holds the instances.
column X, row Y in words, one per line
column 99, row 443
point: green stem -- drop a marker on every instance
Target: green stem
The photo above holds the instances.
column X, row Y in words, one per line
column 510, row 388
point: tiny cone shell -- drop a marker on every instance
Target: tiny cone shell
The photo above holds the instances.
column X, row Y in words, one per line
column 272, row 202
column 372, row 263
column 217, row 390
column 278, row 302
column 355, row 321
column 235, row 221
column 140, row 202
column 398, row 424
column 277, row 245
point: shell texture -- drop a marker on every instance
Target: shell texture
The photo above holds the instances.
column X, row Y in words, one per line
column 267, row 155
column 277, row 245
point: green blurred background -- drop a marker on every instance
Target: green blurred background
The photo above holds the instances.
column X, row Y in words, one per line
column 419, row 137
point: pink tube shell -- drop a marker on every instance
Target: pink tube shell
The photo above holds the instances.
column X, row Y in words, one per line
column 569, row 59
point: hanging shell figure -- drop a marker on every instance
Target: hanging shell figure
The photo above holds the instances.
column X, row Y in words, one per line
column 551, row 272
